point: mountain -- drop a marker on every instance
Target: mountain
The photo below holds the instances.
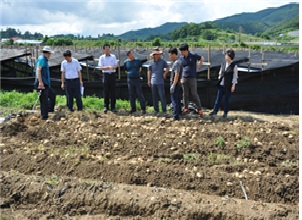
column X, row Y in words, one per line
column 144, row 33
column 257, row 22
column 249, row 23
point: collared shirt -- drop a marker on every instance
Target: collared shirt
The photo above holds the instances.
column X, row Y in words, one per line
column 45, row 73
column 132, row 67
column 235, row 74
column 71, row 69
column 157, row 71
column 107, row 61
column 189, row 65
column 176, row 67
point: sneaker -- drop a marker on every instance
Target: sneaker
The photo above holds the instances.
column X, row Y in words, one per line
column 200, row 112
column 225, row 115
column 213, row 113
column 113, row 110
column 144, row 112
column 186, row 110
column 105, row 110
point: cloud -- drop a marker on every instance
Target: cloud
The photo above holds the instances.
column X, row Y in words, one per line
column 93, row 17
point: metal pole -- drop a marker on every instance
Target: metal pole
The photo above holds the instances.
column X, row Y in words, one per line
column 249, row 63
column 262, row 61
column 37, row 48
column 209, row 60
column 119, row 58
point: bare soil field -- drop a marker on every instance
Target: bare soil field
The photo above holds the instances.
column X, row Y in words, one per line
column 91, row 165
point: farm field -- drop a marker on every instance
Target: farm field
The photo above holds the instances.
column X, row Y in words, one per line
column 91, row 165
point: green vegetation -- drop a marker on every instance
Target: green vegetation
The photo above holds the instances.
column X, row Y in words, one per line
column 243, row 143
column 16, row 100
column 220, row 142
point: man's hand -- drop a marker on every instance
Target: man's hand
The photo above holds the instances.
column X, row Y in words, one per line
column 41, row 86
column 172, row 88
column 233, row 88
column 63, row 86
column 149, row 83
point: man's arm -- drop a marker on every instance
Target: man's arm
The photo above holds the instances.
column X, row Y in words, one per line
column 80, row 77
column 63, row 80
column 149, row 78
column 41, row 84
column 235, row 77
column 200, row 63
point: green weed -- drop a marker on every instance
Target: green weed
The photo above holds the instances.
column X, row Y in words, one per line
column 243, row 143
column 220, row 142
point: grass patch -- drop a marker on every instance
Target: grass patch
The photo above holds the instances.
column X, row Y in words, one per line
column 14, row 100
column 243, row 143
column 220, row 142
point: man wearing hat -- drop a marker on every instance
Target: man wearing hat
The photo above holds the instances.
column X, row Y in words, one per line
column 156, row 80
column 72, row 80
column 47, row 95
column 188, row 81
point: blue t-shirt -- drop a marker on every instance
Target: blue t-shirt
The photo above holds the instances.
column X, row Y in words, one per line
column 157, row 71
column 132, row 67
column 43, row 62
column 189, row 65
column 176, row 67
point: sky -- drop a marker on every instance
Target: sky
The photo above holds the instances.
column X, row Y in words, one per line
column 93, row 17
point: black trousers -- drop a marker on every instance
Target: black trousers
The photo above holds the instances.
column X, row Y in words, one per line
column 73, row 91
column 109, row 81
column 47, row 100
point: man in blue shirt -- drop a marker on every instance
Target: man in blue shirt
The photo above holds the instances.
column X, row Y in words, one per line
column 156, row 80
column 188, row 81
column 133, row 67
column 47, row 95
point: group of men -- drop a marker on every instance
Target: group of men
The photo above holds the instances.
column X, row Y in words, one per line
column 183, row 75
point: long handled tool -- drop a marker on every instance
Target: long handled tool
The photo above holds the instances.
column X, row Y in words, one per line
column 39, row 94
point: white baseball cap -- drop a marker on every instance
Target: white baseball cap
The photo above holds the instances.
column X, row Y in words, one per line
column 47, row 49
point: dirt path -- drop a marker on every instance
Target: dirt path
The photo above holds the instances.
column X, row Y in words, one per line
column 89, row 165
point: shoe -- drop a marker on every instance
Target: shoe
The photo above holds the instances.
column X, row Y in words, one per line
column 113, row 110
column 131, row 111
column 186, row 110
column 105, row 110
column 200, row 112
column 225, row 115
column 213, row 113
column 144, row 112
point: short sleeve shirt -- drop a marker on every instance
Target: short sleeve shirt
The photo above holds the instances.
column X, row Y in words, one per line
column 107, row 61
column 71, row 69
column 176, row 67
column 157, row 71
column 132, row 67
column 189, row 65
column 45, row 73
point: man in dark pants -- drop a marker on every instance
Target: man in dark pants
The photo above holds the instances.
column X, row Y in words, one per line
column 72, row 80
column 47, row 95
column 133, row 67
column 108, row 65
column 176, row 71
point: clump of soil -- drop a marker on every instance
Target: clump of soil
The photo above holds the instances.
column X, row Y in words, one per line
column 146, row 167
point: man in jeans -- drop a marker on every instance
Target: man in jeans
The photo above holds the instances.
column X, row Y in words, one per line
column 176, row 71
column 46, row 93
column 108, row 65
column 72, row 80
column 156, row 80
column 133, row 67
column 188, row 81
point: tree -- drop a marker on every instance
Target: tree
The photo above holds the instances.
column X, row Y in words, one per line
column 156, row 42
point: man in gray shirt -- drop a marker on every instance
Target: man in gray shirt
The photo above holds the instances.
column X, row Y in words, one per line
column 156, row 80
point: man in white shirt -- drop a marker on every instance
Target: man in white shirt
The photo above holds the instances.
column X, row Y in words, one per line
column 72, row 80
column 228, row 76
column 108, row 65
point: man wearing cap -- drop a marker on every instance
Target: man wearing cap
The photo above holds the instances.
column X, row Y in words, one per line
column 188, row 81
column 71, row 80
column 108, row 65
column 156, row 80
column 133, row 67
column 47, row 95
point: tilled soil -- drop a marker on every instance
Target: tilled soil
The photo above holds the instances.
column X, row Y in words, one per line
column 88, row 165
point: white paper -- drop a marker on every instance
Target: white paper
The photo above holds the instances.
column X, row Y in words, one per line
column 82, row 90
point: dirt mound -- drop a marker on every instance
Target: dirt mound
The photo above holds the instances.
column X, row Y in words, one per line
column 193, row 169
